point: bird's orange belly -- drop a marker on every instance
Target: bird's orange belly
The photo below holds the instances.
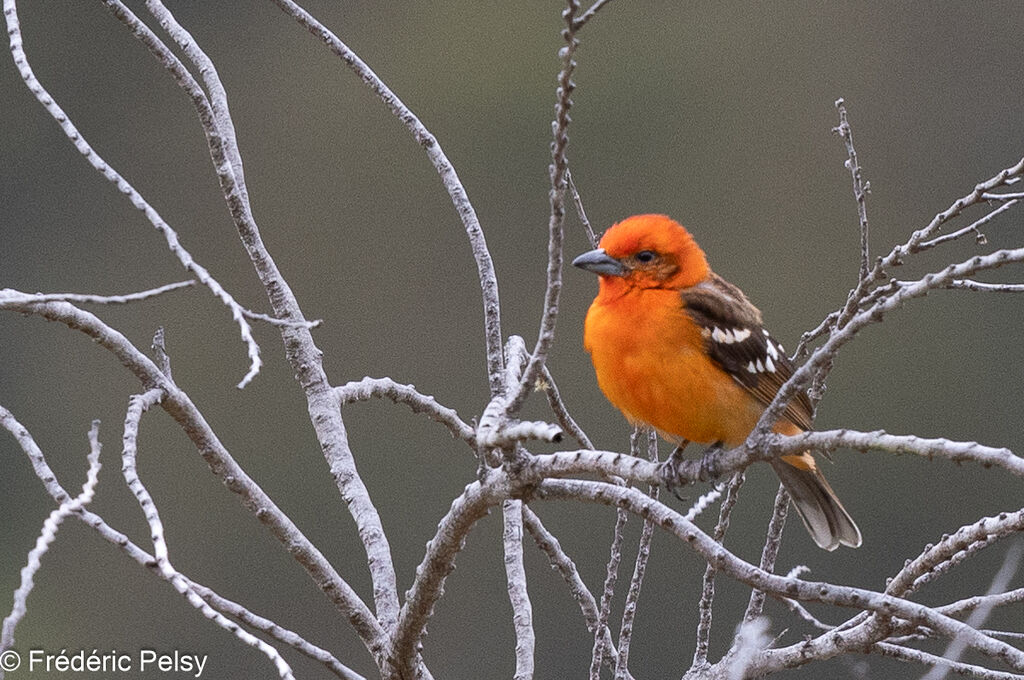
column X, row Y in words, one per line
column 669, row 383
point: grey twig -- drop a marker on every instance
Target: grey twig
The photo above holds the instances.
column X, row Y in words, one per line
column 999, row 584
column 450, row 179
column 578, row 202
column 138, row 405
column 386, row 388
column 919, row 657
column 860, row 188
column 608, row 592
column 548, row 543
column 770, row 552
column 556, row 197
column 707, row 596
column 302, row 353
column 124, row 187
column 180, row 407
column 48, row 535
column 265, row 625
column 561, row 412
column 771, row 660
column 973, row 227
column 589, row 14
column 108, row 299
column 643, row 438
column 515, row 573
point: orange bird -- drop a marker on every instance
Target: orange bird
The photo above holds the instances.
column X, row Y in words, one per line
column 678, row 348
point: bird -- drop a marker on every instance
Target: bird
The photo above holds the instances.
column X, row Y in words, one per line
column 678, row 348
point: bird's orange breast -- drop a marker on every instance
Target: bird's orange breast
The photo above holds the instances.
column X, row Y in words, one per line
column 651, row 363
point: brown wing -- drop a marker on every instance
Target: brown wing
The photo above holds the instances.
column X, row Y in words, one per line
column 737, row 341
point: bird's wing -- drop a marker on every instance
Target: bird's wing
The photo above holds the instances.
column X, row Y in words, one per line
column 737, row 341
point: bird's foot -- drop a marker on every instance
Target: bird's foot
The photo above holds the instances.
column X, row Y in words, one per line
column 670, row 471
column 709, row 462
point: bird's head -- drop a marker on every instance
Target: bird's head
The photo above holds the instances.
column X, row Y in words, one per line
column 647, row 251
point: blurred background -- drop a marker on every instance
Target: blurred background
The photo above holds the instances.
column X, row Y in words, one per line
column 718, row 114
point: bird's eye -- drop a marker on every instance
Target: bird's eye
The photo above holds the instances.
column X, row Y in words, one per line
column 645, row 256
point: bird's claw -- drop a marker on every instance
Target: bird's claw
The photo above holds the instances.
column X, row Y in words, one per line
column 709, row 463
column 671, row 471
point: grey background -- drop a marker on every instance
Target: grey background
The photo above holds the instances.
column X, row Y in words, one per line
column 718, row 114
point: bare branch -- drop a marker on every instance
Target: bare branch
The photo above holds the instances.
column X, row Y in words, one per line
column 457, row 193
column 124, row 187
column 707, row 596
column 52, row 524
column 547, row 542
column 369, row 388
column 519, row 432
column 642, row 438
column 973, row 227
column 556, row 197
column 183, row 410
column 917, row 656
column 138, row 405
column 264, row 625
column 562, row 412
column 999, row 584
column 104, row 299
column 704, row 501
column 818, row 365
column 438, row 562
column 1015, row 596
column 302, row 353
column 578, row 202
column 608, row 592
column 968, row 284
column 845, row 596
column 957, row 452
column 515, row 572
column 589, row 14
column 770, row 552
column 984, row 532
column 860, row 188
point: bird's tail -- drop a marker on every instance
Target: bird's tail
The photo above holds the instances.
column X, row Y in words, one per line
column 826, row 519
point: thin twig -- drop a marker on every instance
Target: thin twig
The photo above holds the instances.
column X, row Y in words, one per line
column 548, row 543
column 556, row 197
column 125, row 188
column 50, row 527
column 589, row 14
column 180, row 407
column 562, row 412
column 137, row 406
column 608, row 592
column 974, row 227
column 515, row 574
column 770, row 552
column 304, row 356
column 771, row 660
column 450, row 179
column 860, row 188
column 580, row 212
column 969, row 284
column 920, row 657
column 109, row 299
column 265, row 625
column 707, row 595
column 999, row 584
column 145, row 559
column 642, row 438
column 386, row 388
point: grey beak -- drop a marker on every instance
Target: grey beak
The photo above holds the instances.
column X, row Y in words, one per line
column 599, row 262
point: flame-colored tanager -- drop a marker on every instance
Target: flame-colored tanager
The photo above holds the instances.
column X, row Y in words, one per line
column 677, row 347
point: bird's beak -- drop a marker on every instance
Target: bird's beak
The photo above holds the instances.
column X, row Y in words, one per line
column 599, row 262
